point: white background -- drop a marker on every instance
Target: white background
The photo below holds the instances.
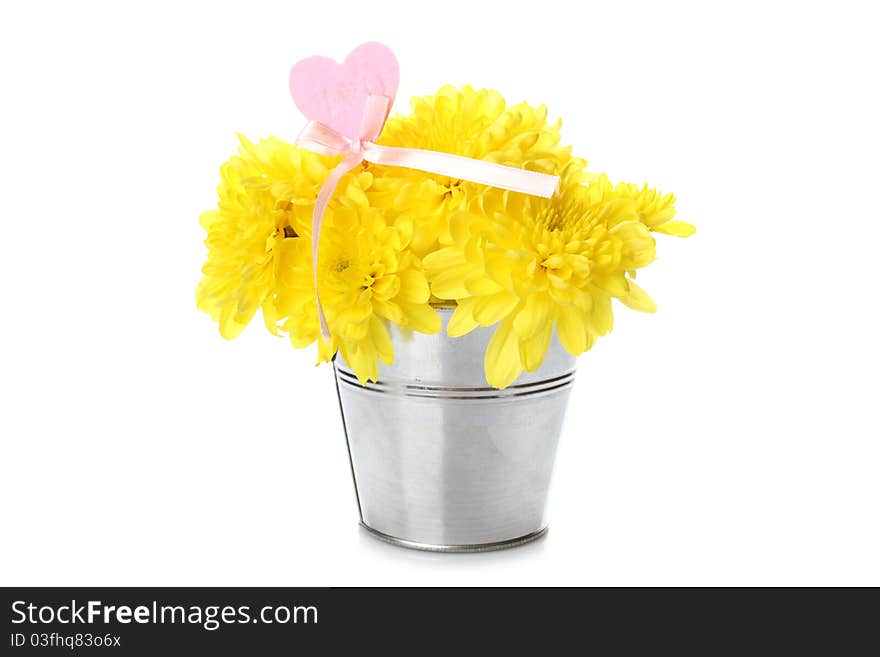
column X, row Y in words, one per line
column 730, row 439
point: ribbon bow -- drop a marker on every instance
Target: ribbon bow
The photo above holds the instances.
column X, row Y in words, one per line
column 324, row 140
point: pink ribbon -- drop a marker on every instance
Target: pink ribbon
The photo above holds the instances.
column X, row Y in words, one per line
column 319, row 138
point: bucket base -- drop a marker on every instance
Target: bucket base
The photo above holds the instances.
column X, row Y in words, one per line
column 473, row 547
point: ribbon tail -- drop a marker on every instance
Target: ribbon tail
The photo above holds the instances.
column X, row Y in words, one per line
column 348, row 163
column 501, row 176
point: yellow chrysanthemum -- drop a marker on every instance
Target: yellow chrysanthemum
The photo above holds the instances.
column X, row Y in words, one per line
column 367, row 276
column 656, row 210
column 528, row 264
column 476, row 124
column 266, row 192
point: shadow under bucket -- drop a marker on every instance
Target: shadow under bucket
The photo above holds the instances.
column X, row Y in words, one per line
column 442, row 461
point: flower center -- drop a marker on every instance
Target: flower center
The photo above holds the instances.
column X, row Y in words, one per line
column 373, row 274
column 279, row 233
column 452, row 189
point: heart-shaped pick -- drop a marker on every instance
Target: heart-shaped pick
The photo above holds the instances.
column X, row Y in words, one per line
column 336, row 94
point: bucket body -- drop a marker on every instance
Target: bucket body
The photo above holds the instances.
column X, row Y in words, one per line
column 441, row 460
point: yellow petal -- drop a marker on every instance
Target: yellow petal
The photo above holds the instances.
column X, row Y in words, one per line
column 420, row 317
column 361, row 357
column 499, row 267
column 601, row 317
column 270, row 316
column 229, row 328
column 534, row 315
column 533, row 350
column 356, row 195
column 572, row 330
column 326, row 349
column 478, row 284
column 638, row 299
column 388, row 310
column 502, row 362
column 387, row 287
column 450, row 283
column 639, row 248
column 354, row 313
column 413, row 286
column 425, row 238
column 349, row 332
column 442, row 259
column 461, row 225
column 614, row 284
column 677, row 228
column 300, row 339
column 462, row 320
column 493, row 308
column 209, row 219
column 381, row 340
column 404, row 226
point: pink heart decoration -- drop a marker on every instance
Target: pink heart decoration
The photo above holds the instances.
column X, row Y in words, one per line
column 336, row 94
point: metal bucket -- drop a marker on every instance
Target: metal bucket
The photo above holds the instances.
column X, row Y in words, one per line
column 443, row 462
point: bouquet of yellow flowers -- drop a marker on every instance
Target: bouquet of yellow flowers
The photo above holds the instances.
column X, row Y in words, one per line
column 397, row 242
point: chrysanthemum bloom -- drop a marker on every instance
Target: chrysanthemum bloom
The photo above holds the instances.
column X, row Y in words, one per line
column 368, row 276
column 529, row 264
column 476, row 124
column 255, row 229
column 656, row 210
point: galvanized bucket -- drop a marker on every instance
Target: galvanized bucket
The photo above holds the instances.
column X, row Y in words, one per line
column 443, row 462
